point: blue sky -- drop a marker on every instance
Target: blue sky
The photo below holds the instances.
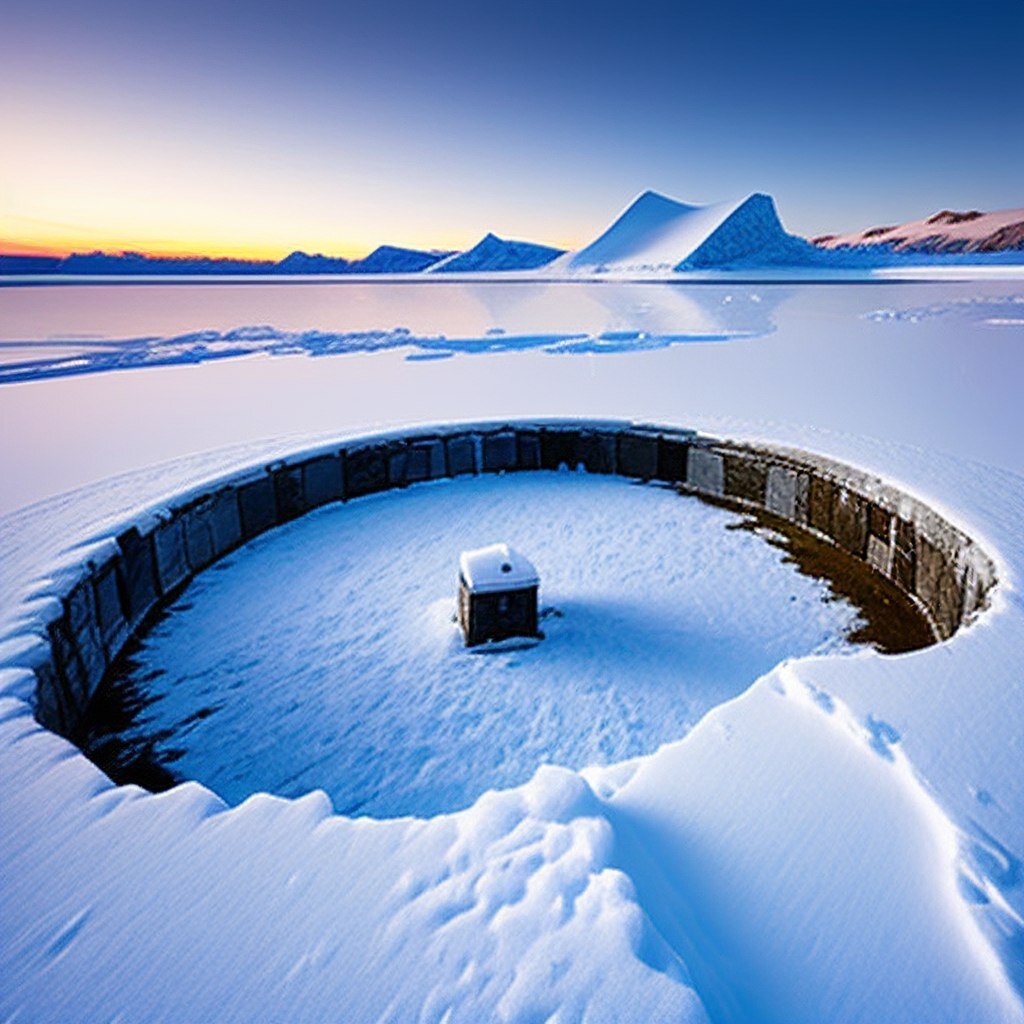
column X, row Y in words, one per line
column 260, row 127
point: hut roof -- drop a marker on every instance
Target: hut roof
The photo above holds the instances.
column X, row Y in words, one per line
column 497, row 567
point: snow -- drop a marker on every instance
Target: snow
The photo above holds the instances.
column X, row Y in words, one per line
column 946, row 231
column 497, row 567
column 843, row 840
column 661, row 235
column 325, row 656
column 493, row 253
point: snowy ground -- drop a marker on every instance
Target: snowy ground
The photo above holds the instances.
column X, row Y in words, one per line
column 348, row 674
column 842, row 841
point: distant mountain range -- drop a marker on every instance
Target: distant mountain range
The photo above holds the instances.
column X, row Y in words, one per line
column 948, row 231
column 655, row 236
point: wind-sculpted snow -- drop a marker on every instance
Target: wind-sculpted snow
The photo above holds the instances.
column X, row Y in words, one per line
column 841, row 842
column 75, row 356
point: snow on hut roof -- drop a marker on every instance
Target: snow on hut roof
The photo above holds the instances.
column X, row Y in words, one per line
column 497, row 567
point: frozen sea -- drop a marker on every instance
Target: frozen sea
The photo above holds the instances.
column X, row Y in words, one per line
column 840, row 838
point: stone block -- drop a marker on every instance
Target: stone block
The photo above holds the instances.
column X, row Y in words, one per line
column 802, row 503
column 225, row 521
column 528, row 449
column 398, row 462
column 138, row 562
column 55, row 708
column 288, row 495
column 68, row 665
column 499, row 452
column 322, row 481
column 637, row 455
column 705, row 471
column 461, row 452
column 171, row 558
column 850, row 521
column 879, row 522
column 425, row 461
column 746, row 478
column 672, row 460
column 822, row 496
column 366, row 470
column 559, row 448
column 596, row 451
column 878, row 554
column 110, row 611
column 781, row 492
column 939, row 586
column 198, row 540
column 257, row 507
column 84, row 632
column 904, row 557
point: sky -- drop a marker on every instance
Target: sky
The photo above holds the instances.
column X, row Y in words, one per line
column 256, row 128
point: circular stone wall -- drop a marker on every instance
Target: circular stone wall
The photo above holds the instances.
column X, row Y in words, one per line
column 944, row 572
column 325, row 655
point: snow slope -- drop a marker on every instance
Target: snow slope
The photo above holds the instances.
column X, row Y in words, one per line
column 493, row 253
column 658, row 235
column 948, row 231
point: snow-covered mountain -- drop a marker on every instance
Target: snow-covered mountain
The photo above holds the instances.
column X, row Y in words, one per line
column 948, row 231
column 659, row 235
column 493, row 253
column 390, row 259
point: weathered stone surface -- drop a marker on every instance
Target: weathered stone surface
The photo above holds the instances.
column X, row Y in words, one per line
column 528, row 449
column 257, row 507
column 213, row 527
column 637, row 455
column 366, row 470
column 939, row 586
column 596, row 451
column 461, row 452
column 67, row 663
column 780, row 494
column 55, row 708
column 499, row 451
column 850, row 521
column 879, row 522
column 878, row 555
column 225, row 521
column 802, row 505
column 288, row 492
column 138, row 562
column 110, row 613
column 322, row 481
column 83, row 629
column 746, row 478
column 425, row 461
column 398, row 464
column 559, row 447
column 198, row 541
column 822, row 498
column 672, row 460
column 171, row 559
column 904, row 556
column 705, row 471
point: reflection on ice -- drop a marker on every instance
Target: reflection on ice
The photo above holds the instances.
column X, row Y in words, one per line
column 492, row 318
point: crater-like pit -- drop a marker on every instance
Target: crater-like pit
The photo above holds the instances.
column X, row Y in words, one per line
column 324, row 654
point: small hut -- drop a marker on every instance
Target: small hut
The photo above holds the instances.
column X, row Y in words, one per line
column 497, row 594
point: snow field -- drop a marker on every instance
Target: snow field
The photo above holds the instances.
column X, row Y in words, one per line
column 324, row 655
